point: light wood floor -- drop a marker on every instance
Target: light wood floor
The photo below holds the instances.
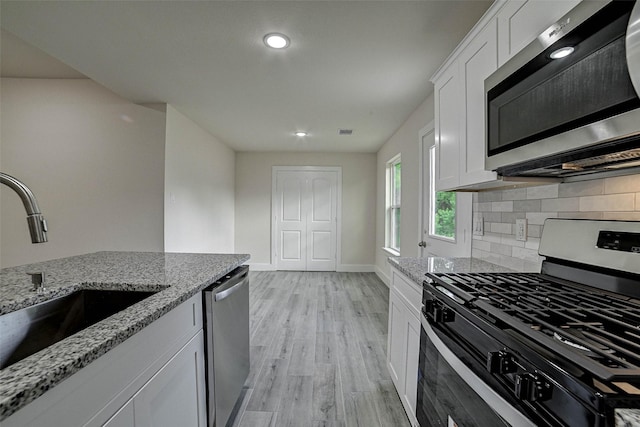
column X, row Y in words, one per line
column 318, row 345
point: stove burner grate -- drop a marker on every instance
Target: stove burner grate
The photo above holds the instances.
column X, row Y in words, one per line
column 598, row 329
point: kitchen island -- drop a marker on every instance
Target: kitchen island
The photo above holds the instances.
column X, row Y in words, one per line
column 175, row 277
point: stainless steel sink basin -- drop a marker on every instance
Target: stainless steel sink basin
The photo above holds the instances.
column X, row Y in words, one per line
column 31, row 329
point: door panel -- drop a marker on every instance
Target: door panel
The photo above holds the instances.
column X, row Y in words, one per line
column 320, row 246
column 321, row 199
column 291, row 228
column 291, row 245
column 292, row 199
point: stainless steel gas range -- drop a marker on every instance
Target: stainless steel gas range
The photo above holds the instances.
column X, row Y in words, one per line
column 558, row 348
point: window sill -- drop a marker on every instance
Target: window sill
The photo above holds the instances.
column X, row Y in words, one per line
column 391, row 252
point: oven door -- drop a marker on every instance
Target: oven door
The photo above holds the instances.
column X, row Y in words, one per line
column 451, row 394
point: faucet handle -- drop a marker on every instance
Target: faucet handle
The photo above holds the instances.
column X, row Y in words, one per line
column 38, row 278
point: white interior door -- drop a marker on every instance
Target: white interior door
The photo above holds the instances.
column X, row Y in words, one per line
column 305, row 219
column 432, row 244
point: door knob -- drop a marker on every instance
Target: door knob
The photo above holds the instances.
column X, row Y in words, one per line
column 422, row 244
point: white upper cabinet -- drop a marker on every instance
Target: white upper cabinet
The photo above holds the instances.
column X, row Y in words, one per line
column 476, row 62
column 459, row 94
column 448, row 101
column 521, row 21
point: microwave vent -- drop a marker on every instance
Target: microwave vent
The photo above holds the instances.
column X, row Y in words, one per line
column 611, row 160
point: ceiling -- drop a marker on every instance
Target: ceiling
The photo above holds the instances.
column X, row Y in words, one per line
column 360, row 65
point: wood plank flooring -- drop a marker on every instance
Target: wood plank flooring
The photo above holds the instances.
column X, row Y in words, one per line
column 318, row 346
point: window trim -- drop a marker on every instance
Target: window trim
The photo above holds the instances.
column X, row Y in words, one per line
column 393, row 202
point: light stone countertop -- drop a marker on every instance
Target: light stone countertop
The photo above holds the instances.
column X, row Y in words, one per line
column 177, row 277
column 416, row 268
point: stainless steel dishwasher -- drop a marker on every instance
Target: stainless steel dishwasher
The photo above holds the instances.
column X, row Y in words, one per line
column 226, row 323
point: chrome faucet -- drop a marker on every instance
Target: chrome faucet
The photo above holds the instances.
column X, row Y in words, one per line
column 35, row 220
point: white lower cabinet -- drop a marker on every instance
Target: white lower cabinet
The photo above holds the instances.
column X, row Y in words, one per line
column 403, row 347
column 175, row 396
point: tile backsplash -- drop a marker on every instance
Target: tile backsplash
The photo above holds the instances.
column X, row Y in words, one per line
column 609, row 198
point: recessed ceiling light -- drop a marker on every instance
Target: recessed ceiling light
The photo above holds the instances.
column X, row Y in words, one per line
column 276, row 40
column 561, row 53
column 300, row 133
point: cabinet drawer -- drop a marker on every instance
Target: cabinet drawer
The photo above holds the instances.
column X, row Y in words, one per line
column 410, row 292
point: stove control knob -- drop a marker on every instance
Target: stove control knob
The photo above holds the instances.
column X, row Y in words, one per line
column 500, row 362
column 438, row 312
column 532, row 388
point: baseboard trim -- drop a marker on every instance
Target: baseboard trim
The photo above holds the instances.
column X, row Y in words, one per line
column 385, row 279
column 355, row 268
column 261, row 266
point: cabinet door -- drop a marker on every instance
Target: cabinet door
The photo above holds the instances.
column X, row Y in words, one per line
column 410, row 395
column 397, row 339
column 521, row 21
column 175, row 396
column 123, row 418
column 477, row 62
column 447, row 128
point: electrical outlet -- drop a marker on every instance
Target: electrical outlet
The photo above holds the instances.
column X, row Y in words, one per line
column 521, row 229
column 478, row 225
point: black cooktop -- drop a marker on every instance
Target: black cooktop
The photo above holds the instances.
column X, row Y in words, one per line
column 596, row 329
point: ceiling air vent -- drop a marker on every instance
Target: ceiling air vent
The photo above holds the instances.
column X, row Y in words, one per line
column 345, row 131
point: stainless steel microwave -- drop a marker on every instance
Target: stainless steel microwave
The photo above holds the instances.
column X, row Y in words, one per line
column 574, row 116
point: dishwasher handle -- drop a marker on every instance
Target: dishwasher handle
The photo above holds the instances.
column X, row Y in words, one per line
column 228, row 292
column 229, row 284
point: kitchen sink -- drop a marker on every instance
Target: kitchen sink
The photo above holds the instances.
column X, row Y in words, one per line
column 31, row 329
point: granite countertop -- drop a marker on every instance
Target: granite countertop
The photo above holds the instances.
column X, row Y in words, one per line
column 177, row 277
column 415, row 268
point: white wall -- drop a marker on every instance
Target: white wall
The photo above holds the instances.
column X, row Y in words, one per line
column 253, row 203
column 199, row 189
column 404, row 141
column 95, row 162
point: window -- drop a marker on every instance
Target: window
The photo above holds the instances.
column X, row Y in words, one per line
column 394, row 173
column 443, row 206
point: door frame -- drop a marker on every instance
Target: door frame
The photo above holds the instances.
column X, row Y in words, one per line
column 274, row 207
column 430, row 127
column 461, row 247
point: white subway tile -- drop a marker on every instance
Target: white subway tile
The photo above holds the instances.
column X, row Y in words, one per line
column 484, row 207
column 515, row 194
column 491, row 237
column 583, row 188
column 543, row 192
column 527, row 206
column 568, row 204
column 481, row 245
column 580, row 215
column 502, row 206
column 532, row 243
column 537, row 218
column 608, row 203
column 489, row 196
column 621, row 216
column 534, row 230
column 510, row 239
column 499, row 227
column 498, row 248
column 622, row 184
column 526, row 254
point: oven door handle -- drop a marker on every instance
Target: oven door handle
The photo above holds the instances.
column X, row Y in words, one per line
column 492, row 398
